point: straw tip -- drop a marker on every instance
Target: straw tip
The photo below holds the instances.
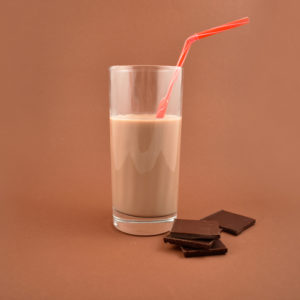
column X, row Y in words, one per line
column 246, row 19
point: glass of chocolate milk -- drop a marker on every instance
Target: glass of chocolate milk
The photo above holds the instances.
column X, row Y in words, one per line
column 145, row 150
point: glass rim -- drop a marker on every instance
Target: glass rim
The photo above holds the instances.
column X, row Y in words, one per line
column 143, row 67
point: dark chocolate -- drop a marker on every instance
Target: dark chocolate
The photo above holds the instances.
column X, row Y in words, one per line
column 195, row 243
column 217, row 248
column 230, row 222
column 195, row 229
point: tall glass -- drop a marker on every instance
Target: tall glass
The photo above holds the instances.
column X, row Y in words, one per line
column 145, row 150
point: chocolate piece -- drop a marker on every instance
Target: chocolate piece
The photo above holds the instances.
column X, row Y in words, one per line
column 205, row 244
column 195, row 229
column 230, row 222
column 217, row 248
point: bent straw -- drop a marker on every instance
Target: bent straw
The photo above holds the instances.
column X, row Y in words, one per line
column 163, row 104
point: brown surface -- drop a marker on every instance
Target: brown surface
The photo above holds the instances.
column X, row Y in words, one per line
column 240, row 148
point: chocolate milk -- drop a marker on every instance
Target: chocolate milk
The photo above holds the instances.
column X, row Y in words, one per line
column 145, row 164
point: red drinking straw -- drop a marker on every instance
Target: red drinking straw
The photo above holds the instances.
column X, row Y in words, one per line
column 163, row 104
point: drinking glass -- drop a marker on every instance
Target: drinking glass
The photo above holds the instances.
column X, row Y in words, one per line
column 145, row 150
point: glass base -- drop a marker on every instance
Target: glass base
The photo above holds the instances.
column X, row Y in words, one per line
column 141, row 225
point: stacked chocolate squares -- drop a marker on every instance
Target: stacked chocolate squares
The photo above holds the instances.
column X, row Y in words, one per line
column 202, row 237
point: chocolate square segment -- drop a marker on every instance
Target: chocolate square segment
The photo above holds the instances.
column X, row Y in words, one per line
column 195, row 243
column 195, row 229
column 230, row 222
column 217, row 249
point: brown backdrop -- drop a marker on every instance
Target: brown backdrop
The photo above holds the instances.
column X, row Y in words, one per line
column 240, row 148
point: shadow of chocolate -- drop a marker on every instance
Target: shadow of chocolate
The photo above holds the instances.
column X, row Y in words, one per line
column 171, row 249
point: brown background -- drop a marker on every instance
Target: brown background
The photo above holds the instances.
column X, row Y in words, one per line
column 240, row 148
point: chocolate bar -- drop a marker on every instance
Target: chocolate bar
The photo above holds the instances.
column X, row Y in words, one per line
column 195, row 243
column 231, row 222
column 195, row 229
column 217, row 248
